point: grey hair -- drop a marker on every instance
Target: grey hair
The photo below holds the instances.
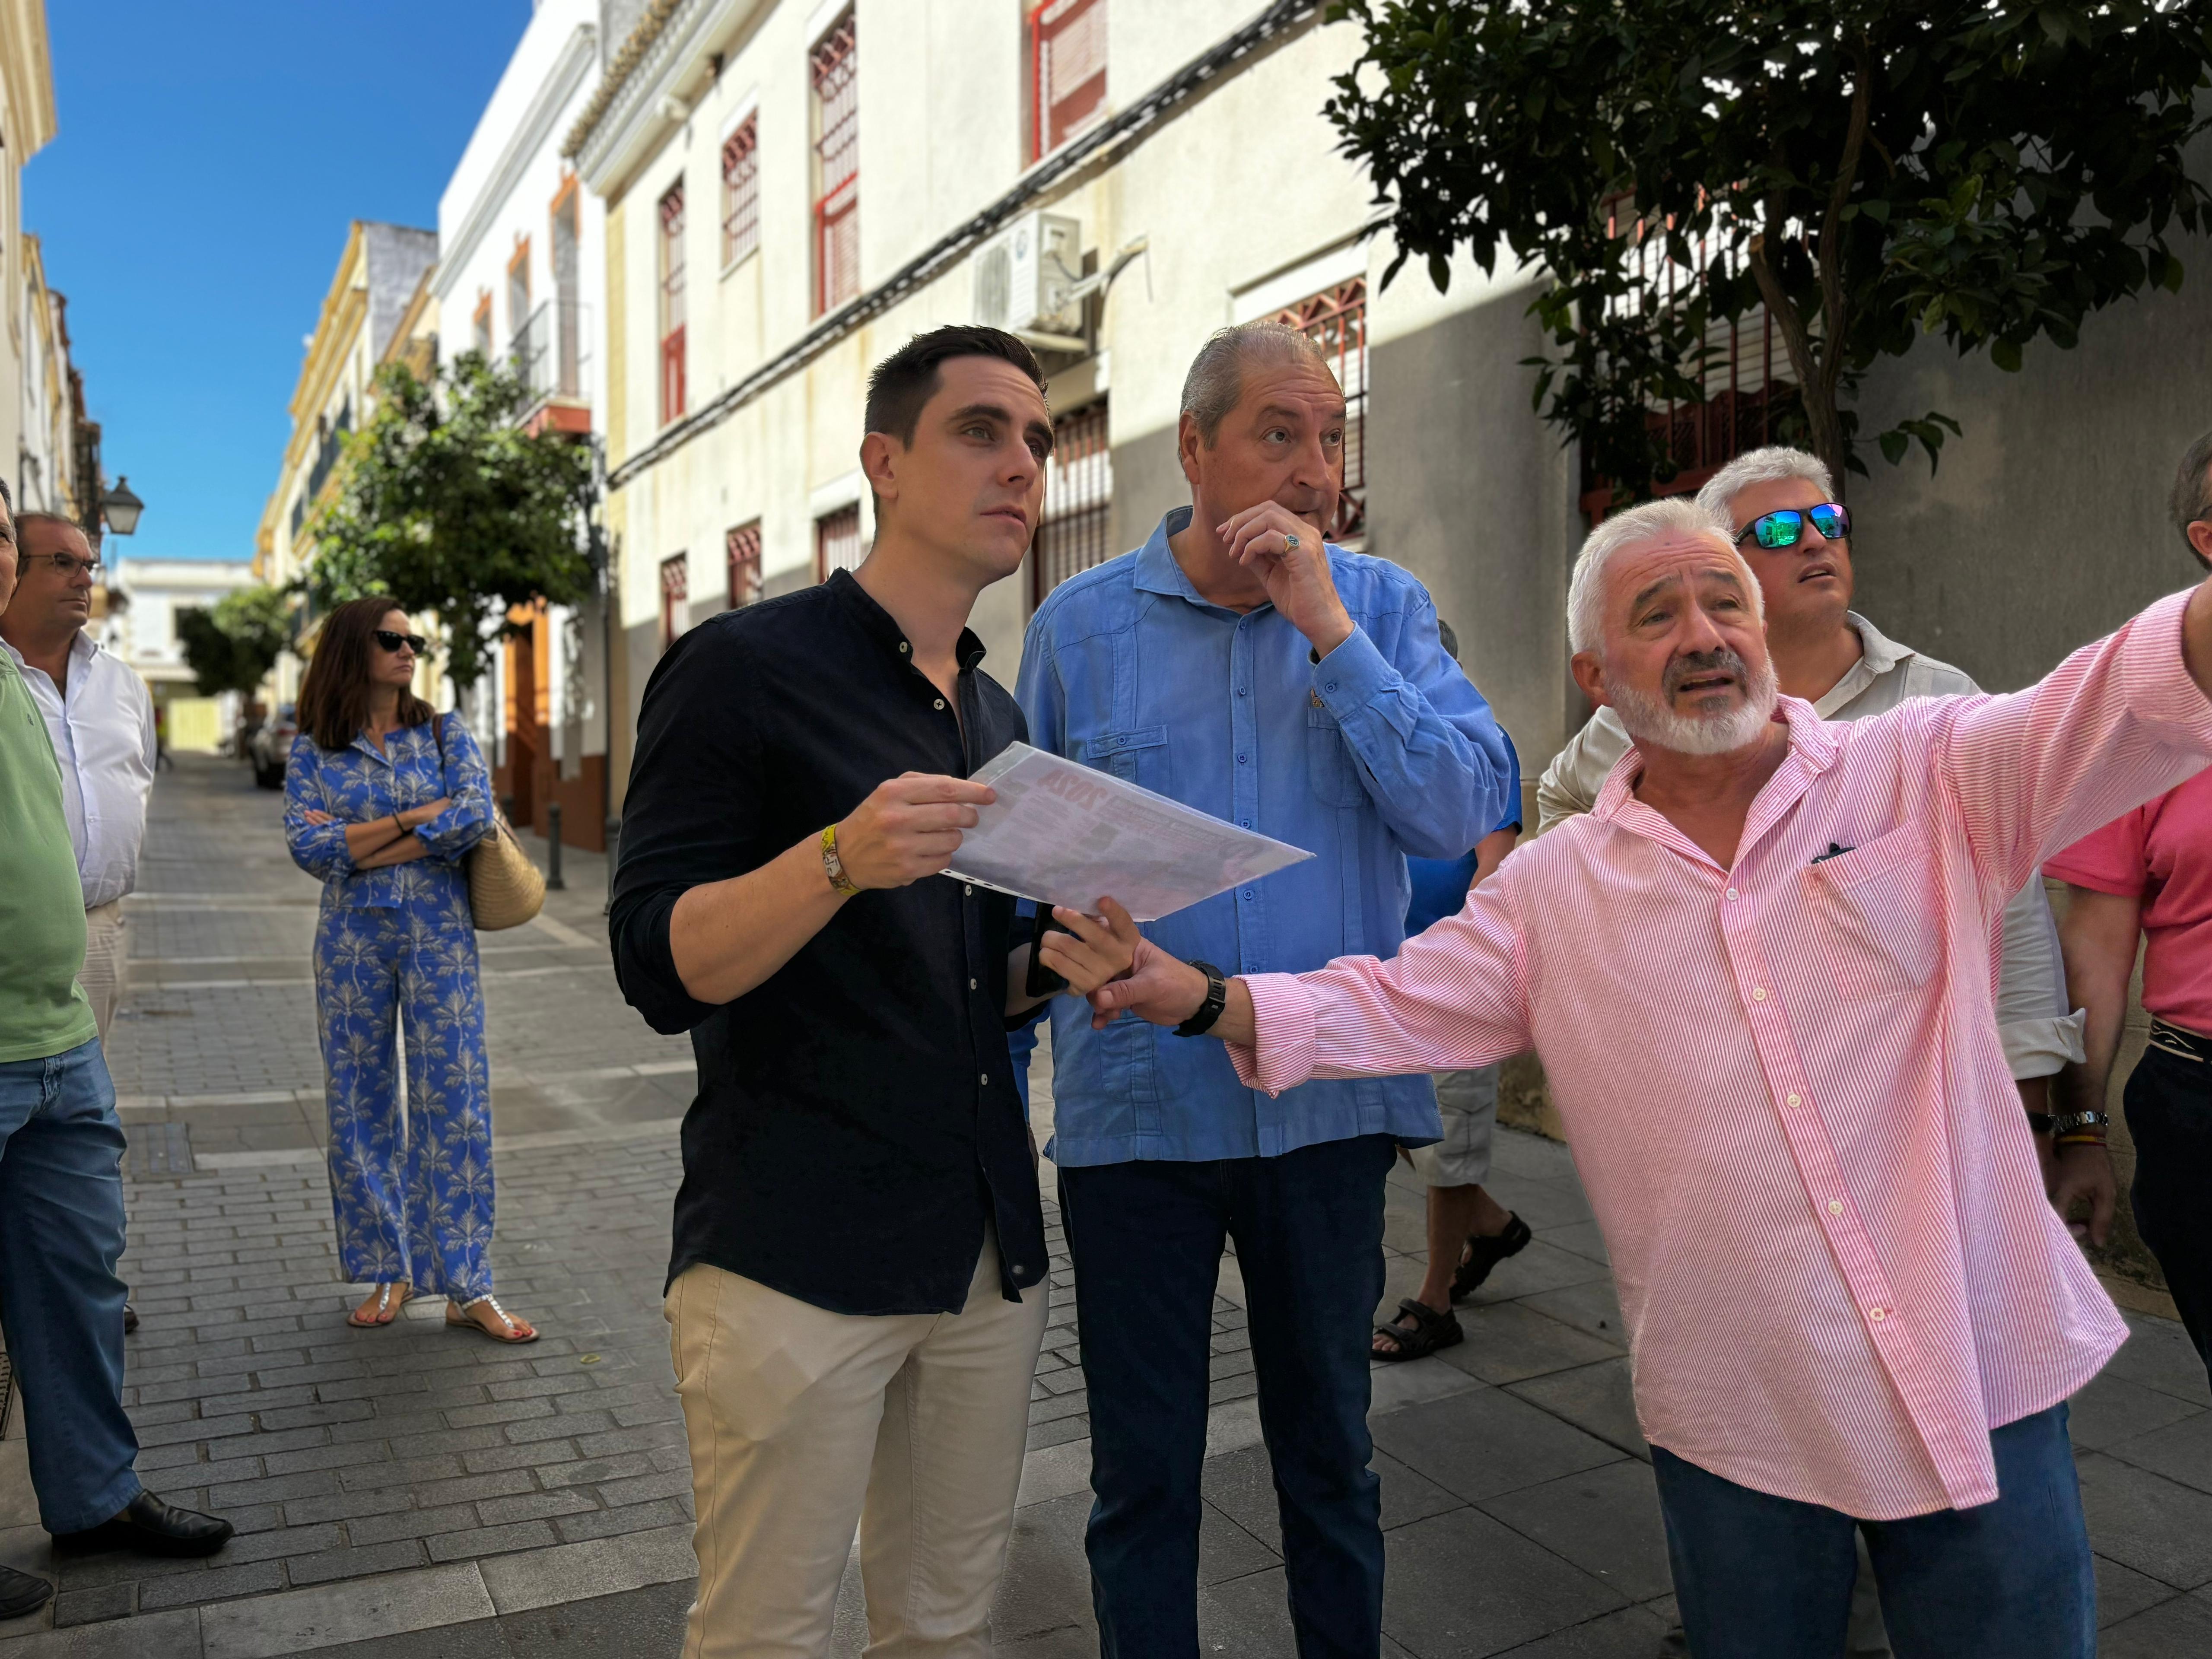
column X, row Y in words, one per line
column 2192, row 493
column 1674, row 515
column 1215, row 380
column 1755, row 466
column 7, row 500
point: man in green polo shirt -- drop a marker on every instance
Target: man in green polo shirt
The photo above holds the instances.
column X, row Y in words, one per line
column 61, row 1180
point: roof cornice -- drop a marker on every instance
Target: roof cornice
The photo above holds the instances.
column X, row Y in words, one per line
column 522, row 147
column 27, row 65
column 624, row 124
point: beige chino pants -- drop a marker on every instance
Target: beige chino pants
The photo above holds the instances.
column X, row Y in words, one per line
column 803, row 1424
column 107, row 973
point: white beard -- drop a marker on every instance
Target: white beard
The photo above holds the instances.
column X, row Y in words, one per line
column 1654, row 724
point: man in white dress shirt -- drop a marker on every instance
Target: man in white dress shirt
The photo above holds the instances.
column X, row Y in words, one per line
column 101, row 718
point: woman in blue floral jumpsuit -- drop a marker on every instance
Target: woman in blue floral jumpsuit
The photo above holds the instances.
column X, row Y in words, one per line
column 384, row 798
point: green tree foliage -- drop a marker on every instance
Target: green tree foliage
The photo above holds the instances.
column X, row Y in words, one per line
column 233, row 647
column 1987, row 171
column 450, row 507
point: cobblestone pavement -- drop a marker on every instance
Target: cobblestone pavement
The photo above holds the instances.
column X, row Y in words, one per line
column 416, row 1493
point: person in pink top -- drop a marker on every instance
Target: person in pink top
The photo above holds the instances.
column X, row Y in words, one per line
column 1759, row 976
column 2148, row 875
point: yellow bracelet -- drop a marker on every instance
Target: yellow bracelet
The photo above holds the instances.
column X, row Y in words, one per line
column 833, row 867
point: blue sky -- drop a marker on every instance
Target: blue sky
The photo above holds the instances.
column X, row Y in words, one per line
column 194, row 206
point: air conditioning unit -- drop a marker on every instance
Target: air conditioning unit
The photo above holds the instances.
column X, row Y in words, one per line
column 1024, row 277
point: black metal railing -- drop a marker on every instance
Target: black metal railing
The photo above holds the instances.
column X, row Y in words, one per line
column 551, row 349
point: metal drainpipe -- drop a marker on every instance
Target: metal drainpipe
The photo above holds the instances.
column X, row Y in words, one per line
column 601, row 556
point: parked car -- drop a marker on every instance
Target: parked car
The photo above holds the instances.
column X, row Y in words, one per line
column 270, row 747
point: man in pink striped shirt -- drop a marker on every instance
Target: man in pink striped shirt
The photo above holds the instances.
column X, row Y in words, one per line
column 1758, row 976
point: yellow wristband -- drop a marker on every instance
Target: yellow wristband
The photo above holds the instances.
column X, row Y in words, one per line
column 833, row 867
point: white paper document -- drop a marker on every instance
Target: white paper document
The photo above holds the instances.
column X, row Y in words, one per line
column 1066, row 834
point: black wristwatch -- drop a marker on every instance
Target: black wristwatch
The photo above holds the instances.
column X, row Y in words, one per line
column 1216, row 999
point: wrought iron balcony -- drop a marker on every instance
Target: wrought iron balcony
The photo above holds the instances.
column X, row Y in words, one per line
column 550, row 352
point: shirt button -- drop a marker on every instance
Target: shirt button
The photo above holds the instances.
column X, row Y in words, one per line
column 1018, row 1268
column 1759, row 993
column 1835, row 1206
column 971, row 984
column 1244, row 823
column 941, row 702
column 987, row 1079
column 1877, row 1315
column 1240, row 760
column 971, row 894
column 1732, row 892
column 1247, row 892
column 1331, row 686
column 1240, row 690
column 904, row 647
column 1792, row 1100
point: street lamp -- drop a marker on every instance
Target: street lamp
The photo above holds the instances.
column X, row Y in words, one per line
column 121, row 508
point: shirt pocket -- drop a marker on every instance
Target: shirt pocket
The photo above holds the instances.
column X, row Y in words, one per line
column 1139, row 756
column 1877, row 912
column 1330, row 767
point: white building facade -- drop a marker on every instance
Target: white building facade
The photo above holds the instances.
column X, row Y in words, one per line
column 795, row 187
column 521, row 279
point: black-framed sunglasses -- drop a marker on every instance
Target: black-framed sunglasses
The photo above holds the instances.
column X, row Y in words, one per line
column 392, row 641
column 1784, row 528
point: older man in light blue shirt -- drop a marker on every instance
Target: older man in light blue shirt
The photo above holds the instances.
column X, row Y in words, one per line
column 1240, row 665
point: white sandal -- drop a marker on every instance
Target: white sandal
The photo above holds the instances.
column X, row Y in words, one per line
column 386, row 1310
column 457, row 1314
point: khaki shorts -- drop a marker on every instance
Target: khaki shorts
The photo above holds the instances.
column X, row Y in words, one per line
column 1468, row 1102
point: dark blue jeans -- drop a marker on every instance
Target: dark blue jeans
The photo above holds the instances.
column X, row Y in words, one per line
column 2169, row 1106
column 1146, row 1240
column 61, row 1304
column 1759, row 1577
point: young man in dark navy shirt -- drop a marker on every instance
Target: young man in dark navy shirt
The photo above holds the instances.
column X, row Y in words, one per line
column 856, row 1287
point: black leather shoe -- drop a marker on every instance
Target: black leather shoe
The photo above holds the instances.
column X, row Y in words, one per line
column 130, row 1319
column 152, row 1527
column 20, row 1593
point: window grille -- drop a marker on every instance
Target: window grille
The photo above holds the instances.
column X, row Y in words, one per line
column 1078, row 502
column 1336, row 319
column 741, row 191
column 1745, row 374
column 480, row 325
column 1068, row 70
column 675, row 597
column 517, row 286
column 837, row 167
column 837, row 541
column 671, row 303
column 742, row 548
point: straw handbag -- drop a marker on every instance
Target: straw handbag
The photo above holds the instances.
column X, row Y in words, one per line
column 505, row 887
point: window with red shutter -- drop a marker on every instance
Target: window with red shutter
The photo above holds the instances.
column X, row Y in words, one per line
column 1079, row 501
column 1336, row 319
column 742, row 548
column 838, row 545
column 836, row 168
column 741, row 191
column 674, row 598
column 671, row 303
column 1068, row 70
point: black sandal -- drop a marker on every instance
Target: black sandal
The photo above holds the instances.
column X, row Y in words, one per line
column 1431, row 1331
column 1484, row 1252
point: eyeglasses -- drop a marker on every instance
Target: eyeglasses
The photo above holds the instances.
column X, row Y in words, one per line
column 69, row 564
column 392, row 641
column 1783, row 529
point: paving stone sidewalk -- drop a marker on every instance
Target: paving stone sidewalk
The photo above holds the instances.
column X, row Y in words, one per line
column 414, row 1491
